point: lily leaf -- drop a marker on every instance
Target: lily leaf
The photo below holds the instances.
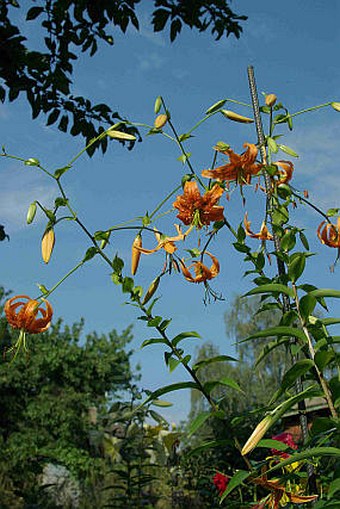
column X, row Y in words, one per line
column 271, row 287
column 236, row 480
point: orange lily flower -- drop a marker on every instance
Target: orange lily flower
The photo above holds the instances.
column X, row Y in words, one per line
column 280, row 496
column 202, row 272
column 164, row 242
column 263, row 234
column 329, row 233
column 286, row 171
column 23, row 315
column 240, row 168
column 196, row 209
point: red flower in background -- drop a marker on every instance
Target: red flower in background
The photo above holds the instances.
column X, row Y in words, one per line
column 285, row 438
column 221, row 482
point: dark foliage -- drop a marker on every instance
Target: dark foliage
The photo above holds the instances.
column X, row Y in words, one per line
column 69, row 28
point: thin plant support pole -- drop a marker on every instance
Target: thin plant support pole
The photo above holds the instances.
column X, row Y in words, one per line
column 280, row 264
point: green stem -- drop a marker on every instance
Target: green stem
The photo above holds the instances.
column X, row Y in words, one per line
column 44, row 295
column 319, row 373
column 306, row 110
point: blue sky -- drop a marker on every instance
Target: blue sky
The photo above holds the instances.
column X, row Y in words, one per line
column 292, row 46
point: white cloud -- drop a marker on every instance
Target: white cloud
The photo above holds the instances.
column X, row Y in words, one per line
column 150, row 61
column 17, row 191
column 317, row 168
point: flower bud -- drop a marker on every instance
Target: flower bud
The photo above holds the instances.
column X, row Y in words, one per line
column 335, row 106
column 32, row 209
column 236, row 117
column 257, row 434
column 119, row 135
column 270, row 99
column 135, row 254
column 160, row 121
column 151, row 290
column 158, row 104
column 47, row 244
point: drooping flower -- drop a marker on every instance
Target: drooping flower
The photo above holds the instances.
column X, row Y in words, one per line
column 285, row 438
column 221, row 482
column 196, row 209
column 263, row 234
column 241, row 168
column 285, row 171
column 165, row 242
column 24, row 315
column 280, row 495
column 202, row 272
column 329, row 233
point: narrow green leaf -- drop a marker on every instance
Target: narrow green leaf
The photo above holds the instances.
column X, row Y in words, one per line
column 229, row 382
column 128, row 284
column 171, row 388
column 155, row 321
column 161, row 403
column 184, row 136
column 307, row 305
column 90, row 253
column 325, row 292
column 269, row 443
column 208, row 445
column 296, row 266
column 153, row 341
column 211, row 360
column 309, row 453
column 270, row 347
column 329, row 321
column 278, row 331
column 60, row 171
column 297, row 371
column 287, row 150
column 323, row 358
column 235, row 481
column 272, row 145
column 184, row 335
column 271, row 287
column 173, row 363
column 333, row 488
column 184, row 157
column 198, row 422
column 215, row 107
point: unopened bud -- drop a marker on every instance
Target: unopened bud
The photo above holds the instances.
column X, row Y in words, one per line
column 135, row 254
column 160, row 121
column 335, row 106
column 47, row 244
column 236, row 117
column 119, row 135
column 158, row 104
column 151, row 290
column 270, row 100
column 306, row 193
column 257, row 434
column 32, row 209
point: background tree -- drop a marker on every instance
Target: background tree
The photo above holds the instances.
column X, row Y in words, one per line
column 68, row 28
column 45, row 401
column 243, row 319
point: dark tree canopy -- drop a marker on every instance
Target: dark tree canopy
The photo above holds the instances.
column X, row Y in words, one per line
column 71, row 27
column 46, row 397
